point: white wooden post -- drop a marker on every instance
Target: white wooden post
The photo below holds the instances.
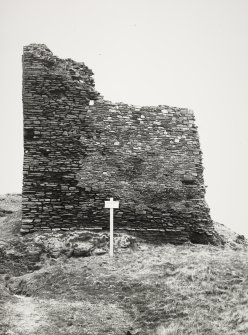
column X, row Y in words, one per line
column 111, row 236
column 111, row 205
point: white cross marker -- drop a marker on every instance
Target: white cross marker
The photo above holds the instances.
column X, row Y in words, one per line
column 111, row 204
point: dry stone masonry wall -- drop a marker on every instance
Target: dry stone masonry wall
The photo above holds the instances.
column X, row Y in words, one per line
column 80, row 150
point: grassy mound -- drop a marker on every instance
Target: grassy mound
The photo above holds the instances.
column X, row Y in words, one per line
column 47, row 287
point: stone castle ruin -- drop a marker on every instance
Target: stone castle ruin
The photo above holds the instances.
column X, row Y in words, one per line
column 80, row 150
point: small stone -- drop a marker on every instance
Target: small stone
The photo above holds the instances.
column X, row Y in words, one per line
column 24, row 231
column 27, row 226
column 87, row 189
column 82, row 249
column 99, row 252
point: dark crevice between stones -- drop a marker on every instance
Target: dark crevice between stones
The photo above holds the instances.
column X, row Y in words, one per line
column 4, row 212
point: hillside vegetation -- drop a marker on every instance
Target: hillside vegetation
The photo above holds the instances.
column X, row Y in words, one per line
column 66, row 284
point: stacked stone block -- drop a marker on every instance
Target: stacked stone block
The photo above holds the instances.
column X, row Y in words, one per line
column 81, row 149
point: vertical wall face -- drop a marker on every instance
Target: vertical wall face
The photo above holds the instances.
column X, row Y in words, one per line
column 55, row 96
column 80, row 150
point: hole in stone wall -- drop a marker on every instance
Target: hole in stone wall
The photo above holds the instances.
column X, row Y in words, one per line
column 198, row 238
column 45, row 152
column 28, row 133
column 57, row 93
column 188, row 182
column 91, row 103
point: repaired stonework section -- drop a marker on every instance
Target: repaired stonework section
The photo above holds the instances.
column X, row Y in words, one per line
column 81, row 150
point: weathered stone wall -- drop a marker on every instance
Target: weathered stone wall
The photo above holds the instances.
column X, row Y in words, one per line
column 80, row 150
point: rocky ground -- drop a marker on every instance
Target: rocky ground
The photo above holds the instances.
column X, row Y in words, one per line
column 66, row 283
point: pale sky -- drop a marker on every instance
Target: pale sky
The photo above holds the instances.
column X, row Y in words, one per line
column 184, row 53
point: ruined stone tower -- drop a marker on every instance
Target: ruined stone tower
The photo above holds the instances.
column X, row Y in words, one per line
column 79, row 150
